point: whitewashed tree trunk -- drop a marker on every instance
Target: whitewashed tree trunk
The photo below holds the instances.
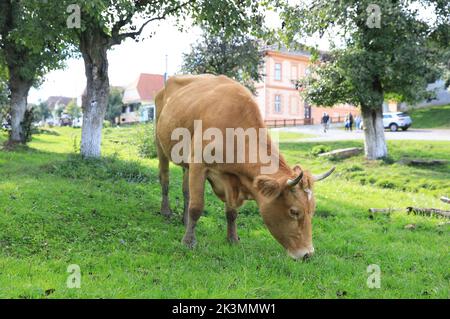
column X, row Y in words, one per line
column 375, row 143
column 94, row 49
column 19, row 95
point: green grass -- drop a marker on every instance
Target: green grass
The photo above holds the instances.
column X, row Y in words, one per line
column 56, row 210
column 290, row 136
column 432, row 117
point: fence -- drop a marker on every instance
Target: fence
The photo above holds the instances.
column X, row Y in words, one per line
column 288, row 122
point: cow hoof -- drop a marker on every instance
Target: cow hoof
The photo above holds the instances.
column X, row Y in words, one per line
column 189, row 242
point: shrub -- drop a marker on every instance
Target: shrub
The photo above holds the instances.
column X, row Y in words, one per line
column 106, row 168
column 145, row 140
column 354, row 168
column 319, row 149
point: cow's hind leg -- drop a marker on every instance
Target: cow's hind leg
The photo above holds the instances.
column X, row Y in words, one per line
column 197, row 178
column 185, row 195
column 164, row 181
column 231, row 214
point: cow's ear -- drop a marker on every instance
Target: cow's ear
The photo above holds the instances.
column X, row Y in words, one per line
column 267, row 186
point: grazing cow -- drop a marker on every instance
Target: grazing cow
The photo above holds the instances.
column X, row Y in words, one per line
column 284, row 197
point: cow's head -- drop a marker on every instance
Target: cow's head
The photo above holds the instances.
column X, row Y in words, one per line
column 287, row 206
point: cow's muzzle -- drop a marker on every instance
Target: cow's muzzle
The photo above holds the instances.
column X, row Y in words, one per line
column 302, row 254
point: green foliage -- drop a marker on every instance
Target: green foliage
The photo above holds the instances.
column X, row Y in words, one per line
column 394, row 58
column 145, row 141
column 27, row 125
column 319, row 149
column 41, row 112
column 73, row 110
column 239, row 57
column 108, row 168
column 28, row 47
column 56, row 210
column 114, row 108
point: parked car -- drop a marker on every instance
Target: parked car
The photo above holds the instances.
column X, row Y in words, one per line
column 395, row 120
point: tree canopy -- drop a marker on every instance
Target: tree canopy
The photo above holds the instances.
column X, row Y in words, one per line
column 29, row 48
column 239, row 57
column 114, row 108
column 384, row 51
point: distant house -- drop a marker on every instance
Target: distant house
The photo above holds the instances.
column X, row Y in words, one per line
column 139, row 98
column 278, row 96
column 442, row 97
column 57, row 102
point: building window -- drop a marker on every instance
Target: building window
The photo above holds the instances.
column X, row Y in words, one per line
column 294, row 106
column 277, row 103
column 278, row 71
column 294, row 74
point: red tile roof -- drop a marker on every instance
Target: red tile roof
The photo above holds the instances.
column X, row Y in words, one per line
column 148, row 85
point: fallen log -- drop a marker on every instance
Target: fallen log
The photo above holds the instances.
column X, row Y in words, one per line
column 445, row 199
column 383, row 210
column 428, row 211
column 343, row 152
column 412, row 210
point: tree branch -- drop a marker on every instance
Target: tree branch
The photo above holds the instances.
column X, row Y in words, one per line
column 117, row 38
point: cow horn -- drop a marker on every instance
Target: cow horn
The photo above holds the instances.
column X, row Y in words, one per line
column 295, row 181
column 324, row 175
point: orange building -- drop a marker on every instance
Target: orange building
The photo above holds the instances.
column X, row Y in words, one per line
column 278, row 97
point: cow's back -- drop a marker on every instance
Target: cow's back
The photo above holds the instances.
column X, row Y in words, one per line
column 217, row 101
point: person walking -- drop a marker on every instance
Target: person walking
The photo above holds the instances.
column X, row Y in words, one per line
column 351, row 121
column 358, row 122
column 325, row 122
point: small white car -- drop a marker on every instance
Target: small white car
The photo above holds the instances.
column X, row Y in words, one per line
column 396, row 120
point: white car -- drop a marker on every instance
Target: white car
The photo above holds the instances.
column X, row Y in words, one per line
column 396, row 120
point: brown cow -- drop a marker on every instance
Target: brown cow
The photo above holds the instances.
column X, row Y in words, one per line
column 285, row 197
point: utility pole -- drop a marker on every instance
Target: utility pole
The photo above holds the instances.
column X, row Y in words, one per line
column 166, row 75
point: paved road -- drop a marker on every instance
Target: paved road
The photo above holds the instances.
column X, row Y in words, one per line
column 338, row 134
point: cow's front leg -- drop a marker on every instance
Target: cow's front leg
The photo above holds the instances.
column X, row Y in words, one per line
column 197, row 178
column 231, row 214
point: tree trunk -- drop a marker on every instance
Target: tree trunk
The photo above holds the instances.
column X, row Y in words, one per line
column 19, row 94
column 94, row 46
column 375, row 143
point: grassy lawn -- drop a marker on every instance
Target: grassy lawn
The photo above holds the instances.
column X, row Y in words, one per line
column 103, row 216
column 433, row 117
